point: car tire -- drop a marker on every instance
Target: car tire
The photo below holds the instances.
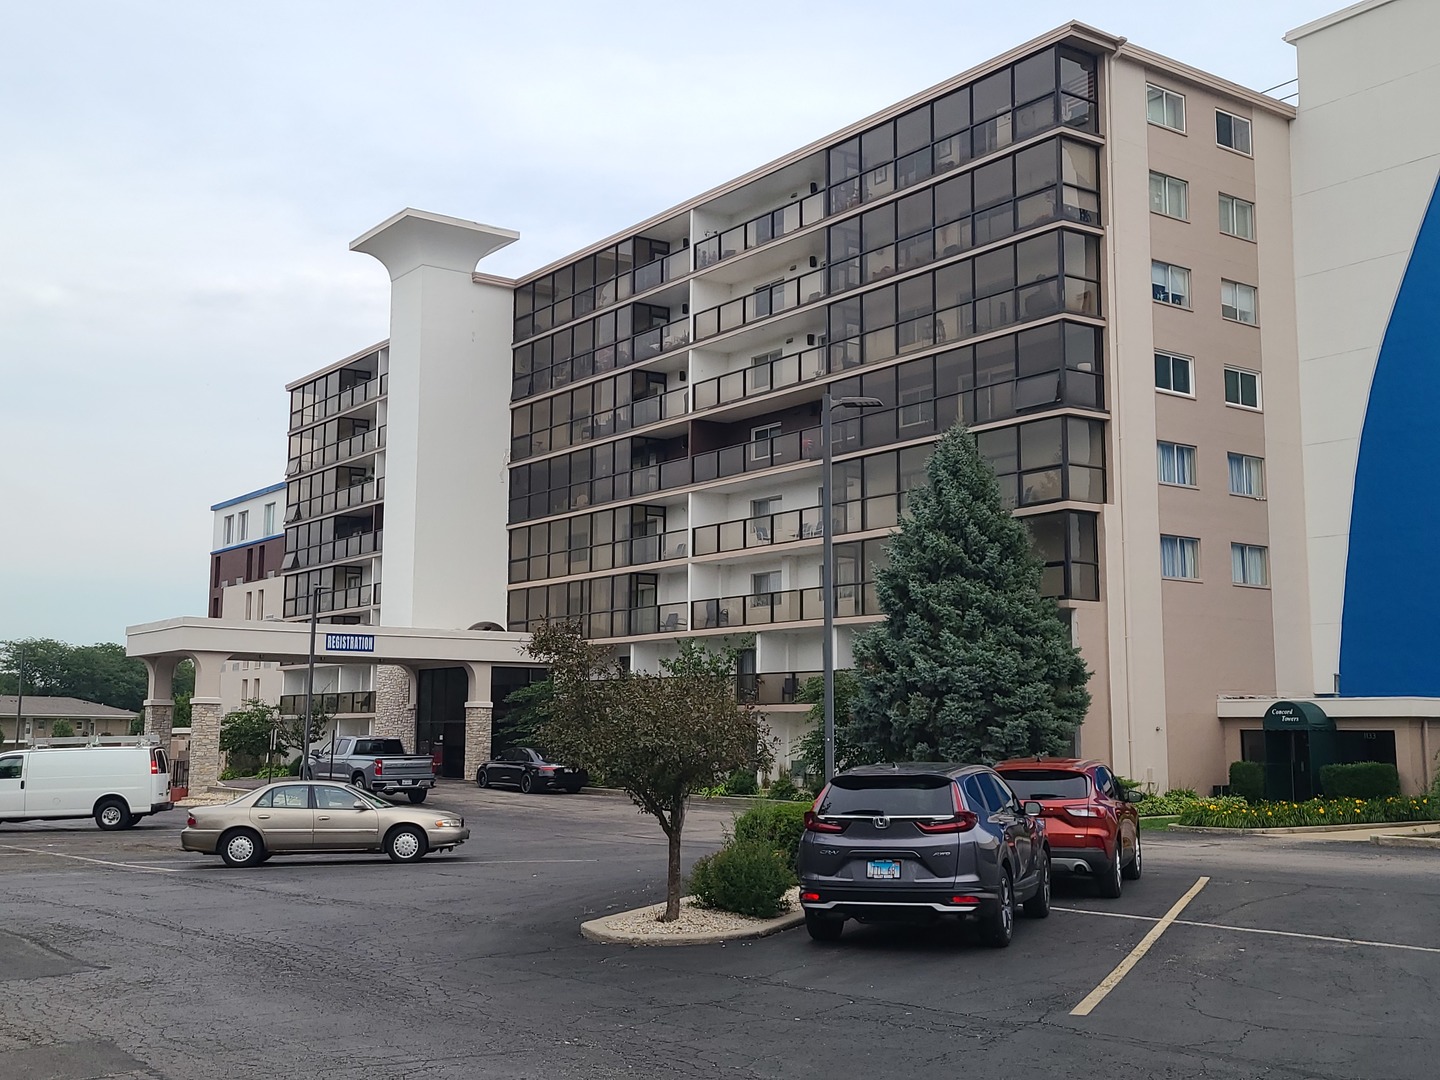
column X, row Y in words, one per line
column 112, row 814
column 241, row 847
column 572, row 789
column 1038, row 906
column 417, row 796
column 1109, row 879
column 823, row 927
column 1134, row 867
column 358, row 780
column 1000, row 925
column 406, row 844
column 482, row 779
column 527, row 784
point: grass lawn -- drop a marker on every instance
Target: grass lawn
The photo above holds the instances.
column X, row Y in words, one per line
column 1151, row 824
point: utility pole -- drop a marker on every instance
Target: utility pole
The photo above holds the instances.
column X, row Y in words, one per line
column 19, row 693
column 310, row 680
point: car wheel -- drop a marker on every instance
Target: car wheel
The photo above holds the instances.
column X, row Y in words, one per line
column 823, row 927
column 359, row 781
column 112, row 814
column 406, row 844
column 1000, row 927
column 1133, row 867
column 482, row 779
column 572, row 789
column 527, row 783
column 417, row 796
column 242, row 847
column 1109, row 880
column 1038, row 906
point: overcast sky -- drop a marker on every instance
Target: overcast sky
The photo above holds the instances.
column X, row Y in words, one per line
column 179, row 183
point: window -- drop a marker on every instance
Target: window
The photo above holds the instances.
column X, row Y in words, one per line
column 1249, row 564
column 762, row 585
column 1232, row 132
column 269, row 519
column 249, row 605
column 1170, row 284
column 760, row 441
column 1169, row 196
column 11, row 767
column 244, row 525
column 1176, row 464
column 1164, row 107
column 1247, row 475
column 1237, row 217
column 1172, row 374
column 1242, row 388
column 1237, row 302
column 229, row 529
column 244, row 689
column 1180, row 558
column 760, row 369
column 260, row 604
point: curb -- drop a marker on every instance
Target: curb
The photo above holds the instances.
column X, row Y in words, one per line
column 600, row 930
column 1382, row 840
column 1310, row 830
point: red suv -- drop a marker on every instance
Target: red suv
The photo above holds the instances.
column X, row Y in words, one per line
column 1090, row 820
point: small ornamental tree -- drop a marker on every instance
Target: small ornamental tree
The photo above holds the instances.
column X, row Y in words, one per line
column 657, row 737
column 245, row 734
column 62, row 729
column 972, row 664
column 812, row 743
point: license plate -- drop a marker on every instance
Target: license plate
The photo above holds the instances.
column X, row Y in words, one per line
column 406, row 783
column 884, row 869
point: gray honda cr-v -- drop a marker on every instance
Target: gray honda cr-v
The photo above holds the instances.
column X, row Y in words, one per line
column 921, row 842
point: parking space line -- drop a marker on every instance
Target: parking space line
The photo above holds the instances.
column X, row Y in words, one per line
column 97, row 862
column 1122, row 969
column 1255, row 930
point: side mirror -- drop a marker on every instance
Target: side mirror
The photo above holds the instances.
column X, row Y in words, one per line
column 1134, row 795
column 359, row 804
column 1033, row 808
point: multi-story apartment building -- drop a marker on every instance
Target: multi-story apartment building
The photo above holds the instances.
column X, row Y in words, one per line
column 1064, row 248
column 247, row 550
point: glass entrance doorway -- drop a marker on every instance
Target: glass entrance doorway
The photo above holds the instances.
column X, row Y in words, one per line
column 440, row 719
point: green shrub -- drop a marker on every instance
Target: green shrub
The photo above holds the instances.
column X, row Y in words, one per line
column 785, row 789
column 1172, row 802
column 741, row 782
column 746, row 877
column 1247, row 779
column 1126, row 784
column 777, row 825
column 1360, row 780
column 1234, row 813
column 62, row 729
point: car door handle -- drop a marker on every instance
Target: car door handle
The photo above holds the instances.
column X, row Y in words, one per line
column 262, row 816
column 323, row 817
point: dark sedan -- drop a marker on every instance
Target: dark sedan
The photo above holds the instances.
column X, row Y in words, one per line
column 526, row 768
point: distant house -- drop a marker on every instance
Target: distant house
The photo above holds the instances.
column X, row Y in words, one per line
column 34, row 717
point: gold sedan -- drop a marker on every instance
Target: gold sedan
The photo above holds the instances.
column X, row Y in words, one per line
column 299, row 818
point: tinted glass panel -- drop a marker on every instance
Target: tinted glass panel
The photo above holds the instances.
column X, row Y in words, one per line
column 889, row 795
column 1047, row 783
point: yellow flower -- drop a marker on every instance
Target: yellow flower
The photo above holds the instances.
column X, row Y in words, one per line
column 1322, row 809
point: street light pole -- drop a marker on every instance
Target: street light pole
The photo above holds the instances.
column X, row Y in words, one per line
column 310, row 680
column 827, row 561
column 19, row 693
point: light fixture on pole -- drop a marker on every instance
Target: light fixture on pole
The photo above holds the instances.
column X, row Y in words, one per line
column 827, row 561
column 310, row 680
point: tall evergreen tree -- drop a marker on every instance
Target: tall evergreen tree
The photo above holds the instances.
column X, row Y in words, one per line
column 972, row 663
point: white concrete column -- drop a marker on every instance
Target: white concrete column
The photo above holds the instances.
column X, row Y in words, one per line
column 447, row 421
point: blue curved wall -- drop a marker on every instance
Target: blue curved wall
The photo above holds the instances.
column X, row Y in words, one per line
column 1390, row 626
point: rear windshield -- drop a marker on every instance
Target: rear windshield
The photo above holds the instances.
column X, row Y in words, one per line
column 893, row 796
column 1047, row 783
column 379, row 746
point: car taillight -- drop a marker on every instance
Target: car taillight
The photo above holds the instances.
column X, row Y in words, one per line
column 380, row 767
column 965, row 820
column 190, row 820
column 432, row 767
column 547, row 768
column 1084, row 811
column 812, row 897
column 154, row 766
column 814, row 823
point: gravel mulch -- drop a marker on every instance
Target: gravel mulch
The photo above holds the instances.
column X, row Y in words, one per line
column 696, row 924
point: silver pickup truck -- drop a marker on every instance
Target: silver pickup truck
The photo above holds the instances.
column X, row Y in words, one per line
column 378, row 765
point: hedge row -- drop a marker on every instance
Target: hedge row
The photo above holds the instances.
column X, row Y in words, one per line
column 1236, row 813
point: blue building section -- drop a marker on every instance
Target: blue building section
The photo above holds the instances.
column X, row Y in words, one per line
column 1390, row 629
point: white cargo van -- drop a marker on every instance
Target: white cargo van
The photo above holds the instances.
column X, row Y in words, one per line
column 116, row 781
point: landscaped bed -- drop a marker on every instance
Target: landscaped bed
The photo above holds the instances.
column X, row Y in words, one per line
column 1231, row 812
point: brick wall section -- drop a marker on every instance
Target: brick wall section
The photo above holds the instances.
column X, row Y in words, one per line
column 477, row 737
column 204, row 744
column 394, row 711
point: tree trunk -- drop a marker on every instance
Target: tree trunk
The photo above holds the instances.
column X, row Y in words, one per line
column 672, row 882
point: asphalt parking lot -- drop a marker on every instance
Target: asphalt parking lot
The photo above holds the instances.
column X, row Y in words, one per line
column 121, row 957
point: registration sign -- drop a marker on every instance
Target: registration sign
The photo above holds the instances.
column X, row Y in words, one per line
column 349, row 642
column 883, row 869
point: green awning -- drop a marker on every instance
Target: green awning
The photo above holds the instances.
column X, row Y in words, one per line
column 1297, row 716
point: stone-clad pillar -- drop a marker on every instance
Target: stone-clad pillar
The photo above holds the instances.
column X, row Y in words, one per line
column 204, row 743
column 160, row 719
column 478, row 716
column 395, row 704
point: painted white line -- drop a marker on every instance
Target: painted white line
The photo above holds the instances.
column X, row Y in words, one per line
column 523, row 862
column 1257, row 930
column 1122, row 969
column 97, row 862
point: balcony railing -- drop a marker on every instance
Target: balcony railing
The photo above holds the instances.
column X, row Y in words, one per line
column 354, row 701
column 777, row 374
column 759, row 230
column 792, row 605
column 759, row 532
column 662, row 339
column 369, row 390
column 760, row 304
column 360, row 596
column 342, row 550
column 756, row 456
column 363, row 443
column 781, row 687
column 367, row 491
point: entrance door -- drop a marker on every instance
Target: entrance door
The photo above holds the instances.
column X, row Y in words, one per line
column 1287, row 766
